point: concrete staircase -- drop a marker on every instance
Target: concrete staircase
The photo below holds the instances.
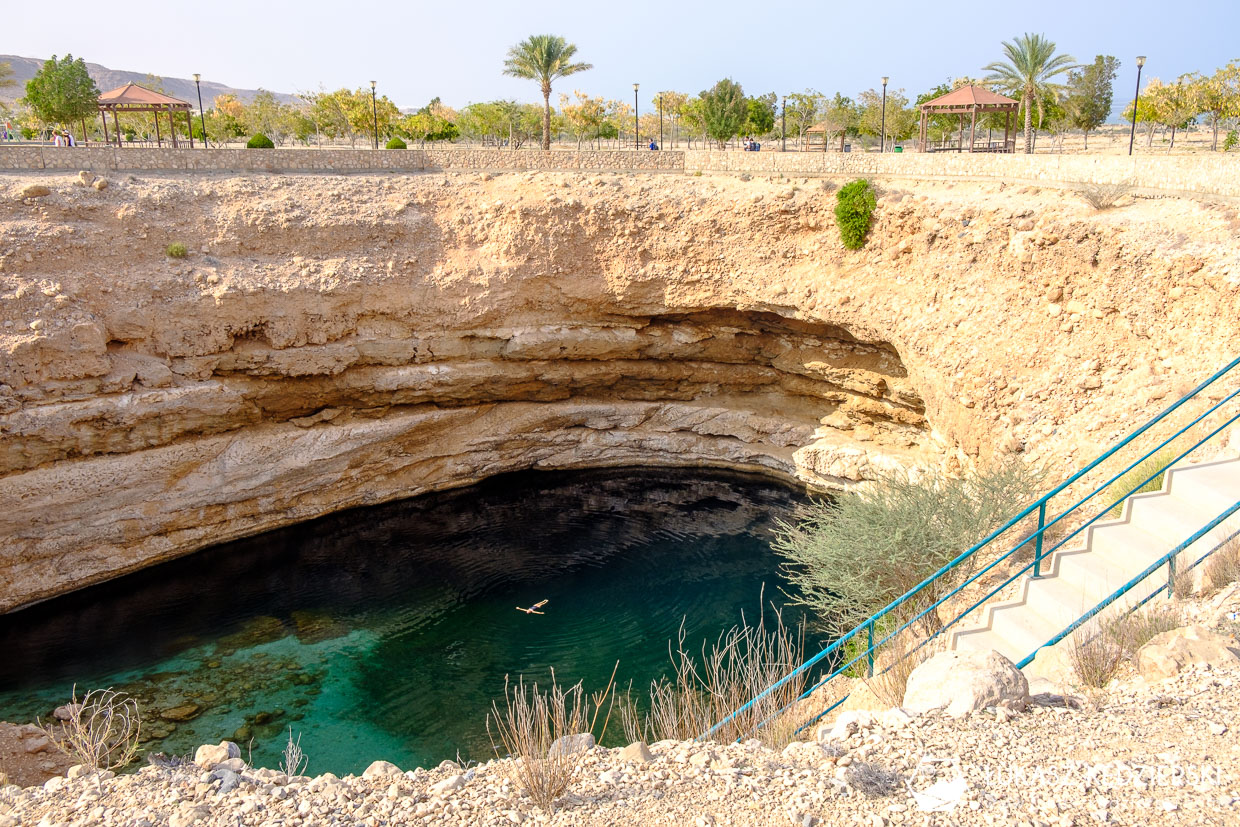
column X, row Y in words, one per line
column 1110, row 554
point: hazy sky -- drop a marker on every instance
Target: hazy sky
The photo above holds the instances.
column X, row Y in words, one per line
column 455, row 48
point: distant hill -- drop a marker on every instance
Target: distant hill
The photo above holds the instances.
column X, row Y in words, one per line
column 105, row 78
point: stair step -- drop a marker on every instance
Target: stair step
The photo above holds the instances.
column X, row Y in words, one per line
column 1210, row 485
column 1175, row 520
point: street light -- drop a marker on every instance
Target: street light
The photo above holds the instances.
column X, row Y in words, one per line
column 637, row 135
column 374, row 108
column 1136, row 97
column 660, row 120
column 783, row 124
column 201, row 118
column 882, row 140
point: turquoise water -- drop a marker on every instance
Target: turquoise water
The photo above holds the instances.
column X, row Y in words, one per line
column 386, row 632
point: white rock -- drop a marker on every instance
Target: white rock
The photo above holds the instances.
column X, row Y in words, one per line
column 570, row 744
column 208, row 755
column 962, row 682
column 637, row 753
column 382, row 769
column 449, row 784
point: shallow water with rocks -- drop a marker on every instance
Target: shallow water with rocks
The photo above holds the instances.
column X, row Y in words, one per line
column 387, row 631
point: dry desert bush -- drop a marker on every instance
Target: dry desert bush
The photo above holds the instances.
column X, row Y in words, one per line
column 102, row 730
column 1105, row 196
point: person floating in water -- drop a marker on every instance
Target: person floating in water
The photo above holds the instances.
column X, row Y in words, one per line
column 533, row 610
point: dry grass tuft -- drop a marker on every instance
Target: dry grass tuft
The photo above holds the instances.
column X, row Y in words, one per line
column 1223, row 567
column 532, row 722
column 1098, row 649
column 895, row 661
column 872, row 780
column 736, row 668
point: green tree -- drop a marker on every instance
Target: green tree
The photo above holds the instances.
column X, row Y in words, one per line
column 801, row 111
column 1026, row 75
column 62, row 91
column 585, row 117
column 760, row 119
column 1174, row 104
column 841, row 118
column 1090, row 94
column 1146, row 112
column 349, row 114
column 900, row 120
column 433, row 122
column 493, row 122
column 674, row 104
column 266, row 115
column 724, row 110
column 545, row 58
column 1218, row 96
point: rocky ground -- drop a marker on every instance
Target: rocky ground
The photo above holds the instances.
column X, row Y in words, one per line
column 1142, row 751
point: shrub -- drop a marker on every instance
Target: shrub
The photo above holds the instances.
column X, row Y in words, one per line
column 260, row 141
column 527, row 726
column 1231, row 141
column 853, row 555
column 103, row 733
column 1098, row 648
column 294, row 760
column 854, row 212
column 177, row 251
column 396, row 143
column 1105, row 196
column 872, row 780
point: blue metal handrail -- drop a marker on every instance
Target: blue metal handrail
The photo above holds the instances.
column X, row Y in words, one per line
column 1039, row 505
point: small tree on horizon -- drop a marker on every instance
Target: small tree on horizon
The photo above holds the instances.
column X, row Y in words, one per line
column 545, row 58
column 724, row 110
column 1091, row 93
column 1026, row 75
column 62, row 91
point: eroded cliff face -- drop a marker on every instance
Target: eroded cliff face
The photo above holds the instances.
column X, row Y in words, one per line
column 337, row 341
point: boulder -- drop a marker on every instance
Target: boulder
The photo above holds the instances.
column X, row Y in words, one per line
column 229, row 779
column 570, row 744
column 637, row 753
column 100, row 184
column 85, row 178
column 382, row 769
column 208, row 755
column 35, row 191
column 68, row 712
column 232, row 765
column 846, row 725
column 1169, row 653
column 962, row 682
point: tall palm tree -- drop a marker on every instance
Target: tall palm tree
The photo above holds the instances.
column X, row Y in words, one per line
column 1027, row 72
column 544, row 58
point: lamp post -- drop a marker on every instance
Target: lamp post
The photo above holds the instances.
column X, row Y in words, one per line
column 374, row 109
column 783, row 124
column 882, row 139
column 637, row 135
column 201, row 117
column 1135, row 98
column 660, row 120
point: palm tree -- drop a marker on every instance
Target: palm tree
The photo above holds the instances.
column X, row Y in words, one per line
column 544, row 58
column 1027, row 72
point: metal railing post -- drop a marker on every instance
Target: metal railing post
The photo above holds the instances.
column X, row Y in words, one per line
column 1171, row 577
column 1037, row 550
column 869, row 668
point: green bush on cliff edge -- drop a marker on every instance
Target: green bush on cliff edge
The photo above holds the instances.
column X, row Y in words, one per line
column 854, row 212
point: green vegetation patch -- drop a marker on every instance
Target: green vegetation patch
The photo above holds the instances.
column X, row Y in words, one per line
column 260, row 141
column 854, row 212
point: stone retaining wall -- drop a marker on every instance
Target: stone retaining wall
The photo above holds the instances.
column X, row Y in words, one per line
column 1210, row 174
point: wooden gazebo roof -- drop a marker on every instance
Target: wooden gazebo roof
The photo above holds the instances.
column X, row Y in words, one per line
column 134, row 98
column 970, row 98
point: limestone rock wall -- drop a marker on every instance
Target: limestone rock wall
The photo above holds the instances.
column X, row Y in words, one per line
column 331, row 342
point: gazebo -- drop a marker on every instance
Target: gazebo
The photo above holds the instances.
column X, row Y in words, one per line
column 969, row 100
column 134, row 98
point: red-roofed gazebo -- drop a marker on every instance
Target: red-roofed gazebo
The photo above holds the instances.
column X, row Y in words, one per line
column 969, row 100
column 134, row 98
